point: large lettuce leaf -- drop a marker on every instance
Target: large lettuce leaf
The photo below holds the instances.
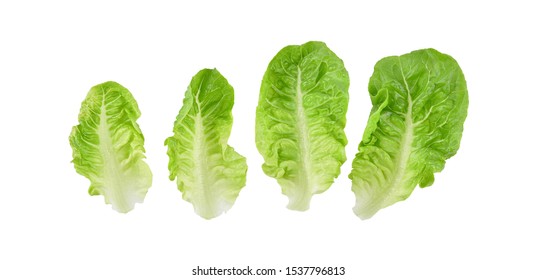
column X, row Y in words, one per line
column 419, row 106
column 300, row 120
column 108, row 147
column 209, row 173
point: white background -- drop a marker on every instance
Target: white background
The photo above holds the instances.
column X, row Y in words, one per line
column 476, row 222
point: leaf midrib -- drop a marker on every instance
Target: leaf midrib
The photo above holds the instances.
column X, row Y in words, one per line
column 112, row 168
column 201, row 168
column 406, row 142
column 303, row 138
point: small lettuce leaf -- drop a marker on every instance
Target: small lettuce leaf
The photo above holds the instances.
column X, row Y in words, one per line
column 300, row 120
column 209, row 173
column 420, row 103
column 108, row 147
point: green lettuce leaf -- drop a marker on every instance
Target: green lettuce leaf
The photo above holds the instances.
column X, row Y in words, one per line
column 108, row 147
column 420, row 103
column 300, row 120
column 209, row 173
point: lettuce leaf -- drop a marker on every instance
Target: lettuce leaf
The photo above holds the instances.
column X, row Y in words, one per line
column 300, row 120
column 420, row 103
column 209, row 173
column 108, row 147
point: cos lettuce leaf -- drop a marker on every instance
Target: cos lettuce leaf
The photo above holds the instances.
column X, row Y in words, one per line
column 108, row 147
column 300, row 120
column 419, row 106
column 209, row 173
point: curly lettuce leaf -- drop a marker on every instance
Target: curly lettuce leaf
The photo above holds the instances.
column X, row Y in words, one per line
column 209, row 173
column 108, row 147
column 300, row 120
column 420, row 103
